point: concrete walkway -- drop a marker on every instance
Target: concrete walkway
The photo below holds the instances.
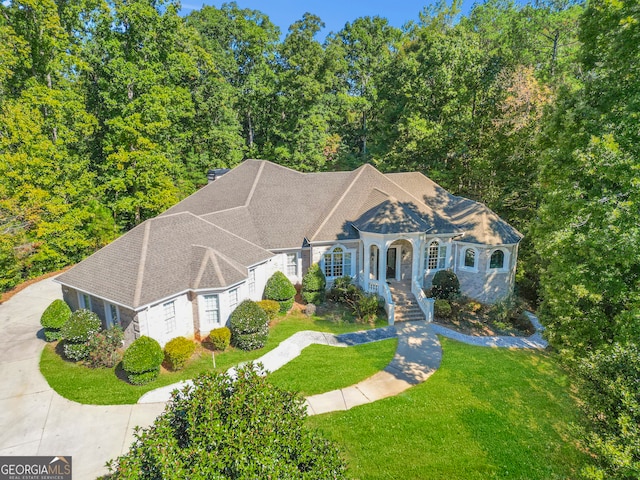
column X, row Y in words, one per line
column 34, row 420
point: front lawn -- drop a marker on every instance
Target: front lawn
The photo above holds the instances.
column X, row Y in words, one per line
column 485, row 414
column 322, row 368
column 102, row 386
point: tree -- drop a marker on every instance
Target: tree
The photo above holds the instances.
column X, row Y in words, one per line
column 230, row 427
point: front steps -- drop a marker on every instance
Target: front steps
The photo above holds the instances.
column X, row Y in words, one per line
column 406, row 305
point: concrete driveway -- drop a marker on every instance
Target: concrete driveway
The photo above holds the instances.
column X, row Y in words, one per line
column 34, row 420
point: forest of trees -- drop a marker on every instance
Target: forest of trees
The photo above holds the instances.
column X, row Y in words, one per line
column 113, row 110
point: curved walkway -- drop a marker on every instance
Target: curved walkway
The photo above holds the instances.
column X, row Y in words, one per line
column 35, row 420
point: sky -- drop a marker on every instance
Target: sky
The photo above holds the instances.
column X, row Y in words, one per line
column 334, row 13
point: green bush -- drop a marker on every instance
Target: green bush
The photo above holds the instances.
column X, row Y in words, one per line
column 365, row 307
column 177, row 351
column 249, row 326
column 280, row 289
column 220, row 338
column 105, row 348
column 445, row 283
column 343, row 290
column 314, row 284
column 54, row 318
column 256, row 430
column 142, row 360
column 271, row 307
column 442, row 308
column 76, row 333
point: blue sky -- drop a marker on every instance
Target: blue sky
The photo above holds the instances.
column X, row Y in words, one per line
column 334, row 13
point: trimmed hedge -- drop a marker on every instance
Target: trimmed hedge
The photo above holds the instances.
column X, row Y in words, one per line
column 445, row 284
column 249, row 326
column 54, row 318
column 142, row 360
column 177, row 351
column 442, row 308
column 271, row 307
column 314, row 284
column 220, row 338
column 280, row 289
column 105, row 348
column 76, row 333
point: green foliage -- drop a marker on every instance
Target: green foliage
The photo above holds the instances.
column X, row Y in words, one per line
column 365, row 306
column 76, row 333
column 177, row 352
column 249, row 325
column 343, row 290
column 445, row 283
column 608, row 384
column 54, row 318
column 313, row 285
column 271, row 307
column 442, row 308
column 191, row 438
column 280, row 289
column 105, row 348
column 220, row 338
column 142, row 360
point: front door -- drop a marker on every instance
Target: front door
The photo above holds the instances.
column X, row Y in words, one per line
column 391, row 263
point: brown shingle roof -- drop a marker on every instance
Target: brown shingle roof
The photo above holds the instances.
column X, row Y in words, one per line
column 163, row 256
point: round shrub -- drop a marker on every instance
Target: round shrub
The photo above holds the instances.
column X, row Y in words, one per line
column 280, row 289
column 76, row 333
column 249, row 326
column 271, row 307
column 105, row 348
column 442, row 308
column 177, row 352
column 313, row 285
column 445, row 283
column 220, row 338
column 54, row 318
column 142, row 360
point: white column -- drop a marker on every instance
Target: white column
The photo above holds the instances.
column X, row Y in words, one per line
column 382, row 269
column 366, row 247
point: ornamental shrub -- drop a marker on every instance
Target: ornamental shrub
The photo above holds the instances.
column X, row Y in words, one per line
column 249, row 326
column 280, row 289
column 343, row 290
column 445, row 283
column 142, row 360
column 442, row 308
column 105, row 348
column 54, row 318
column 220, row 338
column 177, row 352
column 313, row 285
column 365, row 306
column 76, row 333
column 271, row 307
column 256, row 430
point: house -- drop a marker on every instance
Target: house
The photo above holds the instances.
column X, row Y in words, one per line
column 184, row 271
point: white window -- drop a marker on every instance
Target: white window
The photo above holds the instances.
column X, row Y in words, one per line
column 468, row 259
column 233, row 299
column 211, row 310
column 337, row 262
column 84, row 300
column 252, row 281
column 292, row 264
column 112, row 313
column 169, row 310
column 497, row 260
column 436, row 256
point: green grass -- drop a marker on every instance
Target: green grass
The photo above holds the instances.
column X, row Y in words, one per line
column 321, row 368
column 485, row 414
column 105, row 386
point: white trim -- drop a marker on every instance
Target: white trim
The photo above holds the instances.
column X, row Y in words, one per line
column 476, row 259
column 110, row 321
column 330, row 251
column 81, row 300
column 441, row 244
column 506, row 260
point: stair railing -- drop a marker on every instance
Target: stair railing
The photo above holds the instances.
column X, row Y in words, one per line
column 425, row 304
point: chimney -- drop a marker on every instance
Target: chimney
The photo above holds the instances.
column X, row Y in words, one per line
column 214, row 174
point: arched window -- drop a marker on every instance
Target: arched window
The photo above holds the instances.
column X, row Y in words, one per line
column 497, row 260
column 337, row 262
column 436, row 256
column 469, row 258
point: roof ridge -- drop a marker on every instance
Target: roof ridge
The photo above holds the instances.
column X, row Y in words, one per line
column 255, row 184
column 229, row 232
column 142, row 264
column 237, row 266
column 342, row 197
